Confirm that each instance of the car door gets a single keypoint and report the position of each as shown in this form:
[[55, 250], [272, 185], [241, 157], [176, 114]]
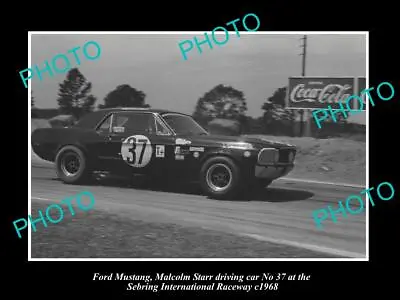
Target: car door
[[135, 141], [164, 141], [131, 141], [107, 148]]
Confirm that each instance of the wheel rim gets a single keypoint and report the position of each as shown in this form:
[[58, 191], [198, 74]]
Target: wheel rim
[[219, 177], [70, 164]]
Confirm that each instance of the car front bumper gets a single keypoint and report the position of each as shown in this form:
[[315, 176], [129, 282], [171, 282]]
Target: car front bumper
[[272, 172]]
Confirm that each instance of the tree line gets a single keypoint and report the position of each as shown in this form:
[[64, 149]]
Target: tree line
[[222, 106]]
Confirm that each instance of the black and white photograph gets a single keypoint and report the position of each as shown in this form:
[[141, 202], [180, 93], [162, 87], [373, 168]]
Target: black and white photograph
[[188, 145]]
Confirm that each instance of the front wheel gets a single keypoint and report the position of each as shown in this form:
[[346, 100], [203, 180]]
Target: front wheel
[[220, 178], [71, 165], [258, 185], [261, 183]]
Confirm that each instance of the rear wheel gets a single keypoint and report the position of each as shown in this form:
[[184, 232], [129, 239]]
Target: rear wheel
[[220, 178], [72, 166]]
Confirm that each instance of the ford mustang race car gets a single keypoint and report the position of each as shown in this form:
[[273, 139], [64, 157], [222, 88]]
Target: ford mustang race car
[[163, 144]]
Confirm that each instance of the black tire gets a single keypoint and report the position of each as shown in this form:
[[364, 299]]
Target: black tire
[[261, 183], [72, 165], [257, 185], [222, 167]]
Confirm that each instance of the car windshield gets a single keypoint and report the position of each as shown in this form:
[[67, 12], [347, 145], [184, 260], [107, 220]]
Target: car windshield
[[182, 124]]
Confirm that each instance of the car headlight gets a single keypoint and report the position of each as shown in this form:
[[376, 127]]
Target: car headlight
[[240, 145], [268, 156]]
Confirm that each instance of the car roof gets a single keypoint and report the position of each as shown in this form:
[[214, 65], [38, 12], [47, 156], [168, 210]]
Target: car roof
[[153, 110], [90, 120]]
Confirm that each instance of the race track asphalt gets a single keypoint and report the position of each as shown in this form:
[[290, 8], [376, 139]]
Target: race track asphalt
[[282, 213]]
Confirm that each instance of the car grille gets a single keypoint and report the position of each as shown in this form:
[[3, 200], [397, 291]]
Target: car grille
[[284, 155], [267, 156]]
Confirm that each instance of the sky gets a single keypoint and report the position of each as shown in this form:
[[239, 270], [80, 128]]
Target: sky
[[256, 64]]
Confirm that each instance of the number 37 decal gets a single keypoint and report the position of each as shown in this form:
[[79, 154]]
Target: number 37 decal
[[136, 151]]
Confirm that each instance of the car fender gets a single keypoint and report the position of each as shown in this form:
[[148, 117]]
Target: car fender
[[79, 145], [47, 142], [233, 154], [78, 140]]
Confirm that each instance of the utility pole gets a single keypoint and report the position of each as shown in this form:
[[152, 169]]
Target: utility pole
[[303, 73]]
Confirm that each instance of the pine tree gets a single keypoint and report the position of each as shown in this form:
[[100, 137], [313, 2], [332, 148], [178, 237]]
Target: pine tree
[[74, 95]]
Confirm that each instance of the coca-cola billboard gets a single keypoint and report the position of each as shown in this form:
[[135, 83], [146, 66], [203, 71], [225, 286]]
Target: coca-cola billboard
[[319, 92]]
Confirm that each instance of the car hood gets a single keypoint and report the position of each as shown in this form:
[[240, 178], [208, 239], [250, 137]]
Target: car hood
[[223, 139]]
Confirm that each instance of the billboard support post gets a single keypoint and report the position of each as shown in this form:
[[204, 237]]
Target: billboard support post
[[355, 92], [304, 118]]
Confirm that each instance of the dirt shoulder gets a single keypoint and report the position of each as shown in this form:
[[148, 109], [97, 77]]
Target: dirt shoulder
[[336, 160]]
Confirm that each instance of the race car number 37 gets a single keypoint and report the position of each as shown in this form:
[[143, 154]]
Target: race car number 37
[[136, 151]]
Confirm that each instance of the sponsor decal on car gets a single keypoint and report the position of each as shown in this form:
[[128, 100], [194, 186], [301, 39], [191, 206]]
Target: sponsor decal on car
[[196, 154], [197, 149], [136, 151], [179, 157], [160, 151], [181, 151], [180, 141]]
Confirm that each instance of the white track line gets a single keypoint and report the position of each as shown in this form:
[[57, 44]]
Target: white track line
[[43, 199], [283, 242], [306, 246], [322, 182]]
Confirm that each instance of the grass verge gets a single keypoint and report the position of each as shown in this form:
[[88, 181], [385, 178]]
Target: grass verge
[[99, 234]]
